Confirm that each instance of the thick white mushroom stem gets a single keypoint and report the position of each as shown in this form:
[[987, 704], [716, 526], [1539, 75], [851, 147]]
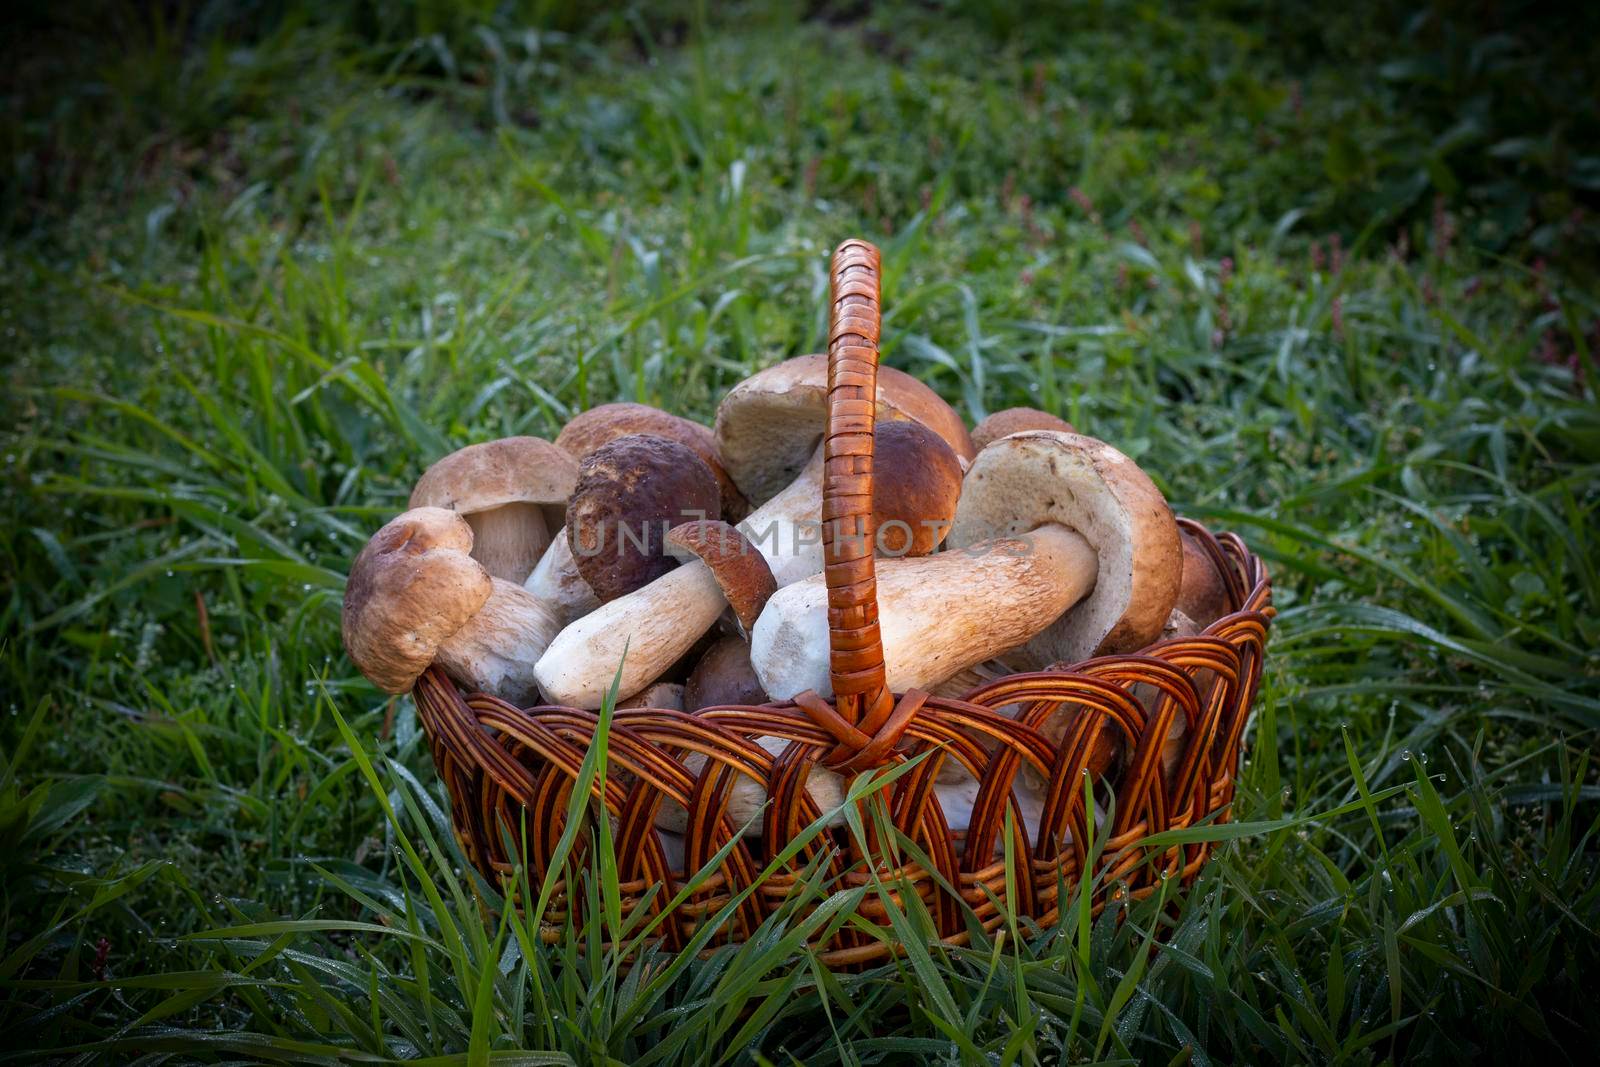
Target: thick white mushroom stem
[[656, 625], [665, 618], [787, 530], [556, 581], [495, 651], [660, 622], [938, 615], [508, 540]]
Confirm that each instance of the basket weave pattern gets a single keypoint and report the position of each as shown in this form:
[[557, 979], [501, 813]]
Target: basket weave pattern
[[509, 767]]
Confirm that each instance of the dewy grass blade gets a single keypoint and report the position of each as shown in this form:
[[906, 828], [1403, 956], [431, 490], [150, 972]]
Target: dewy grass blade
[[591, 771]]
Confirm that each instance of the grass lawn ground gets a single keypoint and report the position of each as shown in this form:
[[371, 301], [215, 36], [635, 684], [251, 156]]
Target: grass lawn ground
[[1330, 275]]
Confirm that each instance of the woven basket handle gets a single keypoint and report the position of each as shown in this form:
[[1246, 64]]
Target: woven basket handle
[[860, 690]]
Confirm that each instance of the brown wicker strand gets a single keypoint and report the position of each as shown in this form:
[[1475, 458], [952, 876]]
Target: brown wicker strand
[[861, 693]]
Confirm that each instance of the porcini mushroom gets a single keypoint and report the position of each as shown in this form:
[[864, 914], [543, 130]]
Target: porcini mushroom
[[630, 492], [1203, 595], [1061, 549], [746, 797], [914, 498], [723, 676], [769, 438], [555, 581], [769, 425], [649, 629], [511, 491], [1015, 420], [416, 597], [600, 425]]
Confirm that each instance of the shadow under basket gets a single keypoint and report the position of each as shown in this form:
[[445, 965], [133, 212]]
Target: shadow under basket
[[1161, 730]]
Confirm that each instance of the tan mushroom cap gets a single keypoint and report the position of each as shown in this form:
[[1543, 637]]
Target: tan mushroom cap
[[411, 588], [769, 425], [1039, 477], [1015, 420], [630, 491], [590, 429], [741, 571], [511, 491], [512, 470]]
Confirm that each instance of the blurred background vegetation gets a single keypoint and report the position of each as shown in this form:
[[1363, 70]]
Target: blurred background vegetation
[[1329, 273], [1490, 106]]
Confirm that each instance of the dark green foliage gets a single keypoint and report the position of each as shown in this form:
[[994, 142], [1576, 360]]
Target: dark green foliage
[[1322, 274]]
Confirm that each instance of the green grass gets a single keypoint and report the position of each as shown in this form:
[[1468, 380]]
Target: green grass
[[1330, 280]]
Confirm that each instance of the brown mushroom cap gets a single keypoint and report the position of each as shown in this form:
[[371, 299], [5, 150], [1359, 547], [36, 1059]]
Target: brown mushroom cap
[[410, 589], [630, 491], [915, 487], [769, 425], [589, 430], [1203, 596], [1040, 477], [723, 676], [1015, 420], [512, 470], [741, 571]]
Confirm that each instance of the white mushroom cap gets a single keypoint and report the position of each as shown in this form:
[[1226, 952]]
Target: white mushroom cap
[[1040, 477]]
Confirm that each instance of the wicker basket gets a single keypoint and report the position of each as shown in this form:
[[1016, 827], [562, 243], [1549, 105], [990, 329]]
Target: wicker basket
[[500, 762]]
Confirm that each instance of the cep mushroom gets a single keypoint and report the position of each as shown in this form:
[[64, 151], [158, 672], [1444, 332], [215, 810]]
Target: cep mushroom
[[723, 676], [1203, 596], [770, 428], [746, 797], [648, 630], [769, 432], [604, 424], [510, 491], [1061, 549], [417, 597], [914, 498], [555, 581], [630, 492], [1014, 420]]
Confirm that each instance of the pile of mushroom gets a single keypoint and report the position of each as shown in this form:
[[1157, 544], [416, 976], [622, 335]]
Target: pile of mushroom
[[684, 563]]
